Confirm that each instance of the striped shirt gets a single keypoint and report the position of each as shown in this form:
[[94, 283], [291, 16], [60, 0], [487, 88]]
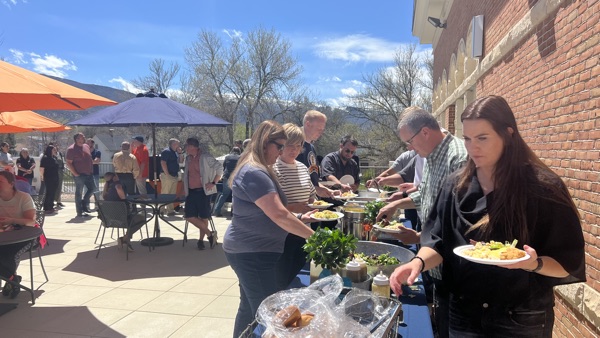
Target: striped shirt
[[295, 181]]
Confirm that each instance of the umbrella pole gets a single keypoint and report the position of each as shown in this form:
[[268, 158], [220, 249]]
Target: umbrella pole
[[155, 173]]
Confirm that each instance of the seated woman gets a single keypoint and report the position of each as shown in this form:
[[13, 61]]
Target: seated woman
[[113, 191], [16, 207]]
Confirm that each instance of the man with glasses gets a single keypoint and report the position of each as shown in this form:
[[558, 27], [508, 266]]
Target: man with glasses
[[444, 154], [341, 163], [79, 162]]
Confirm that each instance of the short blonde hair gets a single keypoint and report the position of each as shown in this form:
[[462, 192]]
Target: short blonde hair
[[313, 115], [294, 134]]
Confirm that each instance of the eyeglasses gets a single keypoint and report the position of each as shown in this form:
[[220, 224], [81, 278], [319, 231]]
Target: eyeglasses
[[348, 151], [279, 145], [409, 141]]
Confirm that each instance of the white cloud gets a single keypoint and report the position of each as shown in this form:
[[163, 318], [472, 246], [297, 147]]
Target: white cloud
[[47, 64], [10, 3], [233, 34], [357, 48], [126, 85], [349, 91]]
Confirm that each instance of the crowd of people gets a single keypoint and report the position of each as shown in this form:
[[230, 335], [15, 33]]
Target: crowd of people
[[487, 186]]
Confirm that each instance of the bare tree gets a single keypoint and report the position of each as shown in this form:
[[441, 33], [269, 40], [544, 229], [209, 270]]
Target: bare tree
[[245, 79], [160, 78], [386, 94]]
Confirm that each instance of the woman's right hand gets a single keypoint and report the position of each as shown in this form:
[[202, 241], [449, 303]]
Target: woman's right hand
[[405, 274]]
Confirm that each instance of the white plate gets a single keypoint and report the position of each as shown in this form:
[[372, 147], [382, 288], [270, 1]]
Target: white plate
[[390, 231], [459, 252], [327, 183], [345, 197], [347, 179], [339, 215], [324, 206]]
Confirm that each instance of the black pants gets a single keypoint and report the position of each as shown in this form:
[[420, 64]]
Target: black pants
[[128, 182], [10, 257], [51, 186]]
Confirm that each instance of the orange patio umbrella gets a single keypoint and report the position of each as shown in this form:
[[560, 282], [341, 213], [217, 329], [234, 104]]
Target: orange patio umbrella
[[27, 121], [22, 89]]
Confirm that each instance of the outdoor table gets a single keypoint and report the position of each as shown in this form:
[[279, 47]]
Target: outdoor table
[[24, 234], [156, 202]]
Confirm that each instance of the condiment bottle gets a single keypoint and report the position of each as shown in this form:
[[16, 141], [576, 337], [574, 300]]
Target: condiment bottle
[[363, 268], [381, 285], [353, 272]]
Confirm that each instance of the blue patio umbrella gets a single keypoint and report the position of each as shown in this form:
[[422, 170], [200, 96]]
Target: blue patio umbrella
[[150, 109]]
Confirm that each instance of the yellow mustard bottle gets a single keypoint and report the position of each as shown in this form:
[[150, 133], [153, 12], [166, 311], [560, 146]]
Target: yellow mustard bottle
[[381, 285]]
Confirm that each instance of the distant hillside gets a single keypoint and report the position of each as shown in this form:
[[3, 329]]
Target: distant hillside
[[104, 91]]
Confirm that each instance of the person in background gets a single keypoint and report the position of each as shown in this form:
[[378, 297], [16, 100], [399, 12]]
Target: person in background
[[202, 172], [96, 157], [504, 193], [239, 144], [126, 166], [256, 236], [245, 144], [6, 159], [340, 163], [16, 208], [113, 191], [299, 191], [60, 160], [49, 174], [25, 165], [140, 151], [79, 162], [169, 161], [229, 164], [400, 163]]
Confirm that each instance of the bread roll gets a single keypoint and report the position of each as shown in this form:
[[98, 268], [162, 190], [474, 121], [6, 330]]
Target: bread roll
[[305, 319], [289, 315]]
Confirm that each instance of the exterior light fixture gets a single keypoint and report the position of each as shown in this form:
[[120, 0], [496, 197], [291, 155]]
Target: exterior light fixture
[[435, 22]]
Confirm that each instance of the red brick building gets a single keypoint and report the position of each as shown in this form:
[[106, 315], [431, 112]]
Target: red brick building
[[543, 56]]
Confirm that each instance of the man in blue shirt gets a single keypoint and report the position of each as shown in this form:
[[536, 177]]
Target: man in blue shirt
[[169, 161]]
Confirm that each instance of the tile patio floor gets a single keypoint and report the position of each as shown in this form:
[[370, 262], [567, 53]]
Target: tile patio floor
[[173, 291]]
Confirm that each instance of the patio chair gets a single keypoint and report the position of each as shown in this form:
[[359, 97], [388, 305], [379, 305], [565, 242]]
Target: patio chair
[[40, 216], [116, 215]]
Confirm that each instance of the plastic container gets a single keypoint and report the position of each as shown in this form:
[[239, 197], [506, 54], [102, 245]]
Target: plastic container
[[381, 285], [363, 268], [353, 272]]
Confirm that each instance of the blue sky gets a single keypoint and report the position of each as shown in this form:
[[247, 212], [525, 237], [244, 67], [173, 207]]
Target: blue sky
[[112, 42]]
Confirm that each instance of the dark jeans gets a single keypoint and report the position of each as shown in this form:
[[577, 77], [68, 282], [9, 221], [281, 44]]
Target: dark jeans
[[10, 256], [82, 181], [128, 182], [292, 260], [256, 273], [478, 320], [225, 194], [51, 186]]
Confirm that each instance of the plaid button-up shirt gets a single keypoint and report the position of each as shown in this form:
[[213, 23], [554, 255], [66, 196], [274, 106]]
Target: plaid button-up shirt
[[448, 156]]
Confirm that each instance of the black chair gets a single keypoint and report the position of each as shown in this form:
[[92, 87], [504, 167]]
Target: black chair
[[117, 215], [40, 216]]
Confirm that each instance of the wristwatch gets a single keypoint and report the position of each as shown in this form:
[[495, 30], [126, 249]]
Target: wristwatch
[[404, 194]]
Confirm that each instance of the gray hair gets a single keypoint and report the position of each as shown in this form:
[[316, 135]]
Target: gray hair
[[416, 118]]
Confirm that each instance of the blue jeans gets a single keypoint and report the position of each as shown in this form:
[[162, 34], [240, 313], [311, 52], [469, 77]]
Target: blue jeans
[[256, 272], [477, 320], [81, 181], [225, 194]]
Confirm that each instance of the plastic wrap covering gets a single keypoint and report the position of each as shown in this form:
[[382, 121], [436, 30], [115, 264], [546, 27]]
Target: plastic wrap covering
[[326, 309]]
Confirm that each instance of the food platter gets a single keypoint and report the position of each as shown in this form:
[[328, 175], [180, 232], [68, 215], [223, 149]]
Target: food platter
[[320, 206], [459, 251], [338, 214], [347, 197], [389, 230]]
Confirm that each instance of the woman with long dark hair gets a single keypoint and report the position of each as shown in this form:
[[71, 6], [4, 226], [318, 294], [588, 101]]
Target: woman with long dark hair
[[49, 174], [505, 192]]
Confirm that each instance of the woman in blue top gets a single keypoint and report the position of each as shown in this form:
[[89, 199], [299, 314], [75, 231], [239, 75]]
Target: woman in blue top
[[256, 236]]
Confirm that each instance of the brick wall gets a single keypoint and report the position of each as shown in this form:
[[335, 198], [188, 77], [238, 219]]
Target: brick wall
[[551, 79], [450, 118]]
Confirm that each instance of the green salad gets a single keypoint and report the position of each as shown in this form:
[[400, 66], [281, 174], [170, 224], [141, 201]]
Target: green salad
[[377, 260]]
